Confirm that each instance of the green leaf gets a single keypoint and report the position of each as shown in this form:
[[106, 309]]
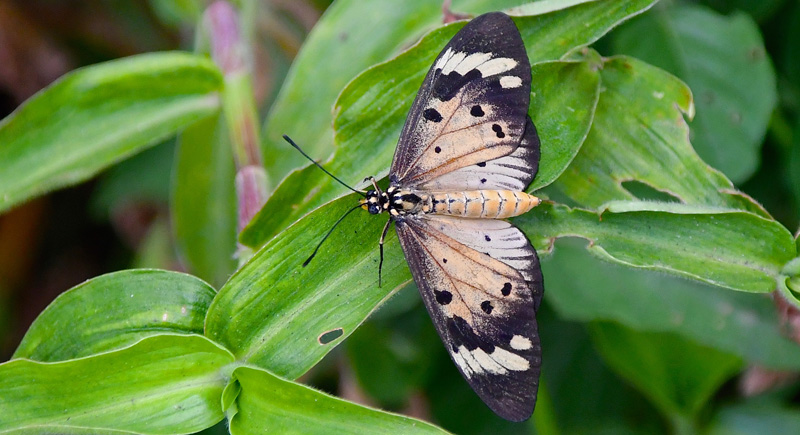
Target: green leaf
[[115, 310], [393, 357], [678, 375], [268, 404], [162, 384], [123, 184], [639, 134], [563, 100], [273, 310], [177, 12], [99, 115], [372, 108], [737, 323], [728, 248], [204, 200], [724, 61], [755, 419], [759, 10], [156, 250], [578, 378]]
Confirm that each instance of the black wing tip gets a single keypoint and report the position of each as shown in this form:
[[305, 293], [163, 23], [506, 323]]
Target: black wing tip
[[512, 408], [493, 16], [494, 20], [516, 415]]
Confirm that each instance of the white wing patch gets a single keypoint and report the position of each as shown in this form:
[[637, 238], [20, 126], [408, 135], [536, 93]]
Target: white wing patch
[[519, 342], [477, 361], [496, 66], [462, 63], [510, 82]]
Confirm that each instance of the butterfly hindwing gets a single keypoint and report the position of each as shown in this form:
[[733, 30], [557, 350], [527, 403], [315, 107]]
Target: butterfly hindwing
[[500, 240], [479, 294], [472, 105]]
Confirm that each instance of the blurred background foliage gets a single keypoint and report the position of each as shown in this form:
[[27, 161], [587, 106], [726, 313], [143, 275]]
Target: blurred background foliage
[[600, 375]]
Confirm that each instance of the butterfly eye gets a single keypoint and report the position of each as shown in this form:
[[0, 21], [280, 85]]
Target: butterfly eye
[[374, 209]]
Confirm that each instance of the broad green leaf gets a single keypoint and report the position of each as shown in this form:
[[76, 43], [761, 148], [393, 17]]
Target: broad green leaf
[[724, 61], [272, 311], [678, 375], [728, 248], [582, 288], [755, 419], [268, 404], [372, 108], [639, 134], [99, 115], [204, 200], [115, 310], [563, 100], [161, 385]]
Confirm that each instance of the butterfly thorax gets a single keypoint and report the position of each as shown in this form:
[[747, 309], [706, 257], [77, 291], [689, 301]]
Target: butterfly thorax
[[484, 204]]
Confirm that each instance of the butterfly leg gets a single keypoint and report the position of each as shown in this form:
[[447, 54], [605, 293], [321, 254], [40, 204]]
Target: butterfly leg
[[380, 243]]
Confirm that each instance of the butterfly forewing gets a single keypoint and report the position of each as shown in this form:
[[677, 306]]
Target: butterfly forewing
[[482, 307], [512, 172], [472, 105]]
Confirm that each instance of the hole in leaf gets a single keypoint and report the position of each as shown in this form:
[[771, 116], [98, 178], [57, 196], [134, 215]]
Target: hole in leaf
[[645, 192], [329, 336]]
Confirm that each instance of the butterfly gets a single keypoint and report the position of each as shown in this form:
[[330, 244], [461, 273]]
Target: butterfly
[[466, 152]]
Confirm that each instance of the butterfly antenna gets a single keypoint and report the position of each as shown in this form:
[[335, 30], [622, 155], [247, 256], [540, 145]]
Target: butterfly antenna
[[305, 263], [297, 147]]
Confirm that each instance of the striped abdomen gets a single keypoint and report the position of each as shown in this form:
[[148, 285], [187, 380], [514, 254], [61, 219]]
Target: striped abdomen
[[488, 204]]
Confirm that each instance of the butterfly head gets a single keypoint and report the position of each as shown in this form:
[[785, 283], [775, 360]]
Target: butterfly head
[[376, 200], [372, 202]]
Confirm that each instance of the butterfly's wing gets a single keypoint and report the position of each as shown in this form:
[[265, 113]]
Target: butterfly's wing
[[472, 106], [480, 279], [512, 172]]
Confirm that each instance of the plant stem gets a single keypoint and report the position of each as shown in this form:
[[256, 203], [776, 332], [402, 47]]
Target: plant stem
[[234, 57]]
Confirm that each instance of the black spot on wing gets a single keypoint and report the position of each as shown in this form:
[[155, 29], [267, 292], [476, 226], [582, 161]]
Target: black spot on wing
[[476, 111], [506, 290], [482, 164], [447, 85], [498, 131], [437, 150], [432, 115], [487, 307], [443, 297]]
